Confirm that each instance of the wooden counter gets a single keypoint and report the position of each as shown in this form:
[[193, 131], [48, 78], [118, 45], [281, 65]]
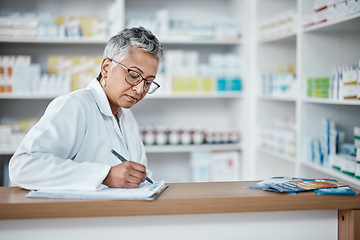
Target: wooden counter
[[179, 198], [224, 203]]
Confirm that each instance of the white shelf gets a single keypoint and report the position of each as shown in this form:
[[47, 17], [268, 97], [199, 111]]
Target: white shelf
[[28, 96], [191, 148], [280, 38], [345, 24], [225, 110], [277, 98], [201, 42], [277, 155], [332, 172], [170, 96], [172, 148], [315, 50], [331, 101], [195, 96], [104, 41], [54, 41]]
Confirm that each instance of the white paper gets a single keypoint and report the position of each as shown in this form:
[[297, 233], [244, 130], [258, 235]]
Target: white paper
[[146, 191]]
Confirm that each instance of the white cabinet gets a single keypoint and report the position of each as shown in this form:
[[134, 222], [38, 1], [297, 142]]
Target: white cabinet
[[206, 110], [317, 44], [188, 22], [283, 44]]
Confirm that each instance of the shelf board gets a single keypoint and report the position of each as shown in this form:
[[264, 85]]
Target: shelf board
[[345, 24], [277, 98], [55, 41], [195, 96], [332, 172], [192, 148], [104, 41], [277, 155], [28, 96], [331, 101], [170, 96], [281, 38], [172, 148], [200, 42]]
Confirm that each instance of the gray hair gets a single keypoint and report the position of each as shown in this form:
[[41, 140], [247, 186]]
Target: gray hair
[[120, 45]]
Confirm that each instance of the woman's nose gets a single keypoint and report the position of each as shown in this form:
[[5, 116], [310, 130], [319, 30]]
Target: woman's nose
[[139, 89]]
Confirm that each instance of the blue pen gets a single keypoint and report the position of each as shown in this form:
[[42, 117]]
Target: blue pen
[[121, 158]]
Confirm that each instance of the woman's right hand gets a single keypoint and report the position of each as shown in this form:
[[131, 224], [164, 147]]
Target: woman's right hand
[[126, 175]]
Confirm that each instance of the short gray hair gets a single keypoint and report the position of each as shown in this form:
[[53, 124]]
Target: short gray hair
[[120, 45]]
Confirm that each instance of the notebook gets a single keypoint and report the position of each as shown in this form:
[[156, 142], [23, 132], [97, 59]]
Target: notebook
[[146, 191]]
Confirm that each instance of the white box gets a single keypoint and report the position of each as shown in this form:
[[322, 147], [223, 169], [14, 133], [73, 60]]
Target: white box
[[225, 166]]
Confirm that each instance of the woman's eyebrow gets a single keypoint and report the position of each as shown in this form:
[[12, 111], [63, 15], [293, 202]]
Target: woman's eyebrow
[[139, 69]]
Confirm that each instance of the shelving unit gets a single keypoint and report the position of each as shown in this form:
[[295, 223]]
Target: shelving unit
[[276, 155], [222, 110], [277, 98], [316, 50], [193, 148]]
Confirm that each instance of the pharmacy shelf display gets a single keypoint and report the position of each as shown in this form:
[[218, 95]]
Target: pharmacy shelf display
[[176, 105], [322, 45], [276, 99]]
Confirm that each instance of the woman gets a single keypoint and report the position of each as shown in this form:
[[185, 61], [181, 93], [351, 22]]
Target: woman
[[70, 147]]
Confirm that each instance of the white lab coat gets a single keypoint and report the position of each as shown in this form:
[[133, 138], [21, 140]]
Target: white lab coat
[[70, 147]]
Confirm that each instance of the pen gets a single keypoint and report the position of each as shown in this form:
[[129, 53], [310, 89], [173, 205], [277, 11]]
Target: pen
[[121, 158]]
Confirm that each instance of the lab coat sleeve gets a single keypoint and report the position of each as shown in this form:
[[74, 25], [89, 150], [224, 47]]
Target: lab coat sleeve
[[44, 158]]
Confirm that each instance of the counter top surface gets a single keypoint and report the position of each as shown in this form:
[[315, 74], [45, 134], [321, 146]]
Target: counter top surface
[[178, 198]]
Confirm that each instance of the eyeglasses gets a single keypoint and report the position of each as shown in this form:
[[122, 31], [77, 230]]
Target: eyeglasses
[[134, 78]]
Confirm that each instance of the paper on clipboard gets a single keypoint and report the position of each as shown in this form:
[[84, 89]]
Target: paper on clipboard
[[146, 191]]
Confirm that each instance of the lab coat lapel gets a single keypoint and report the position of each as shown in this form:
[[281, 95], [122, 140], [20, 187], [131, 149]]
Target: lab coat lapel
[[104, 107]]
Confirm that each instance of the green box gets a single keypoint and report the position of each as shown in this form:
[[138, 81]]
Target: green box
[[208, 84], [178, 84]]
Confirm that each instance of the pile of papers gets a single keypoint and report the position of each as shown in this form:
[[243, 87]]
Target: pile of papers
[[146, 191], [295, 185]]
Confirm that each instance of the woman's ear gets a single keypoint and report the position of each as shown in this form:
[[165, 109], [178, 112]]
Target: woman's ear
[[105, 67]]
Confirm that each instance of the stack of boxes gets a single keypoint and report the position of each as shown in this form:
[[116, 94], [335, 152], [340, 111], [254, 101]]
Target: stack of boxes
[[167, 27], [343, 84], [80, 27], [281, 83], [79, 69], [331, 150], [318, 87], [19, 26], [13, 131], [321, 11], [357, 149], [19, 76], [348, 79], [187, 75], [32, 26], [281, 24], [279, 138], [215, 166]]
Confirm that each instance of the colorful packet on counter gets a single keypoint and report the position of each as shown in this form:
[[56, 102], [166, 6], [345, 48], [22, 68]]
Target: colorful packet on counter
[[295, 185], [335, 191]]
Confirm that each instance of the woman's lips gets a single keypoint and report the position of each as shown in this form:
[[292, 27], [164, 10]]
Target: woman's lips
[[132, 99]]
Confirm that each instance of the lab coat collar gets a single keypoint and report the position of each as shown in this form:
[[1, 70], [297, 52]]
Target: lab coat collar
[[100, 97]]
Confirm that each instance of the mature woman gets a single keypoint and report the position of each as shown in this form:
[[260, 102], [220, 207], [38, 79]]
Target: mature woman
[[70, 147]]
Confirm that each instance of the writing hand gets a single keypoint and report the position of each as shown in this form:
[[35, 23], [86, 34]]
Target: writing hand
[[126, 175]]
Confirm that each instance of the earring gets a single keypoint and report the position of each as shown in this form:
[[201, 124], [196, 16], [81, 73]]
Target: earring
[[103, 82]]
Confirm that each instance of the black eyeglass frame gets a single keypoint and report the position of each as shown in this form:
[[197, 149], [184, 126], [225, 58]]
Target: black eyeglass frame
[[142, 78]]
